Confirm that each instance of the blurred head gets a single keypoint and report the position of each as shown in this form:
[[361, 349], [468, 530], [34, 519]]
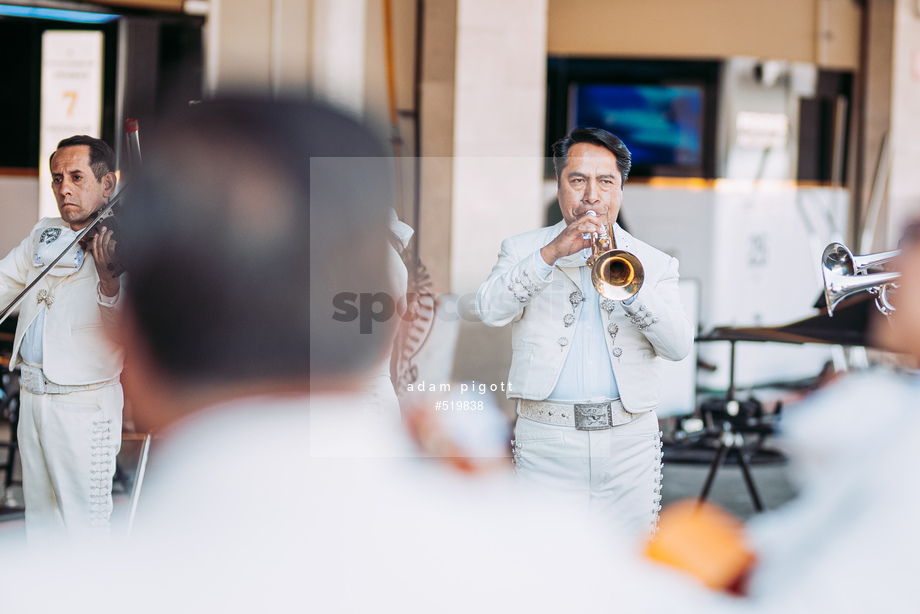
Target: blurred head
[[82, 178], [246, 219], [900, 331], [592, 166]]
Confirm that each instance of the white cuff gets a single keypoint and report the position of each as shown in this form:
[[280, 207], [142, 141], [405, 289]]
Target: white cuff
[[540, 267], [102, 299]]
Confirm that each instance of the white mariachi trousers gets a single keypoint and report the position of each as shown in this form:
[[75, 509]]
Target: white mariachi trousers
[[68, 444], [613, 475]]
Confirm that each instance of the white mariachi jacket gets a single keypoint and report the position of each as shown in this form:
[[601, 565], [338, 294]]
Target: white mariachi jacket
[[76, 348], [544, 314]]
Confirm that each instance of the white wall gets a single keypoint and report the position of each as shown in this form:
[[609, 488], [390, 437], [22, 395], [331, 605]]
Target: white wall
[[18, 209], [778, 96], [755, 249]]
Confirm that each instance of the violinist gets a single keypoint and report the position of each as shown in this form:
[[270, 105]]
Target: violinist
[[71, 398]]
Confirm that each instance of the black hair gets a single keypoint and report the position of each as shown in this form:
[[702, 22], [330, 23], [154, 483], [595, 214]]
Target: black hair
[[101, 156], [594, 136], [245, 222]]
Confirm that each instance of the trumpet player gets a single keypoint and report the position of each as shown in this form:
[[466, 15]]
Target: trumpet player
[[585, 368]]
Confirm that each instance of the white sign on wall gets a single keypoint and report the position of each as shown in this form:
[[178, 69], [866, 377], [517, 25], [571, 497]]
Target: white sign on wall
[[71, 98], [762, 130]]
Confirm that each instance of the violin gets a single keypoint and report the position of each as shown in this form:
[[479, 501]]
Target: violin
[[109, 215], [109, 220]]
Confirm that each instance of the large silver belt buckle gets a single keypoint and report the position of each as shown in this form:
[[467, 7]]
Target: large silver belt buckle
[[593, 416], [32, 379]]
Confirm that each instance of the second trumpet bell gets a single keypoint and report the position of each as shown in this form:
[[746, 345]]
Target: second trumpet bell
[[840, 259]]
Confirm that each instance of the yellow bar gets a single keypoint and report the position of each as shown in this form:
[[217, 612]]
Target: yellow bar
[[163, 5]]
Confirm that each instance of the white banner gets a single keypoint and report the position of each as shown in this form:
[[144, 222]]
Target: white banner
[[71, 98]]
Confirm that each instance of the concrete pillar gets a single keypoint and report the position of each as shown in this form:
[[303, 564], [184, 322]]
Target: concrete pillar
[[499, 131], [904, 181], [483, 93], [875, 121], [338, 52], [482, 122], [290, 47], [436, 131], [239, 48]]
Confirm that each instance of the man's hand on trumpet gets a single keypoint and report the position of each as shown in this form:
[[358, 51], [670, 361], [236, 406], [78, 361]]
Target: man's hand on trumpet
[[572, 239]]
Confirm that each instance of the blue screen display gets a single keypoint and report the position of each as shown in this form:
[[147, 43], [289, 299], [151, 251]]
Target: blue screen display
[[660, 124], [56, 14]]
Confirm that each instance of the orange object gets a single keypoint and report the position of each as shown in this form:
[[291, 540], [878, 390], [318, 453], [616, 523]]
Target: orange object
[[704, 541]]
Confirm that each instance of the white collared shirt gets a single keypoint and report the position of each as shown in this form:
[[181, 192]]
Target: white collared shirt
[[587, 374]]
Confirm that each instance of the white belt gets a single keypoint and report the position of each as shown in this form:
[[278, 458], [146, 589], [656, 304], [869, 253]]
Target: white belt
[[33, 379], [583, 416]]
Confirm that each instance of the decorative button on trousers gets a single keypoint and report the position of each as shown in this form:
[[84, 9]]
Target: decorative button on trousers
[[613, 474], [68, 444]]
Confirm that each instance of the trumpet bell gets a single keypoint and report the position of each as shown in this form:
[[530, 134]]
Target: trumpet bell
[[846, 274], [838, 286], [840, 259], [617, 275]]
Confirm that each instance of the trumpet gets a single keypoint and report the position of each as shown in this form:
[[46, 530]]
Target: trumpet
[[845, 274], [616, 274]]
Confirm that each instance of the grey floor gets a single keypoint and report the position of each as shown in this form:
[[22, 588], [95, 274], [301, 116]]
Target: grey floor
[[682, 481]]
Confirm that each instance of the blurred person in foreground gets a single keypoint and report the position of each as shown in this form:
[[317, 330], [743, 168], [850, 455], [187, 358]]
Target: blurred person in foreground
[[848, 542], [70, 421], [585, 369], [269, 490]]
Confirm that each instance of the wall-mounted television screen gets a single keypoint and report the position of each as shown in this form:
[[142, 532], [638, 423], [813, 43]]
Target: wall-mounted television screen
[[660, 124], [664, 110]]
